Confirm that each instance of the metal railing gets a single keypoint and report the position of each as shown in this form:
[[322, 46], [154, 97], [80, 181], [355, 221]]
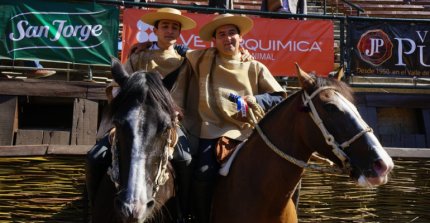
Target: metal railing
[[343, 57], [352, 5]]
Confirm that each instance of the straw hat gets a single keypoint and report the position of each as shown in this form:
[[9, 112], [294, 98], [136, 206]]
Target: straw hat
[[244, 24], [169, 14]]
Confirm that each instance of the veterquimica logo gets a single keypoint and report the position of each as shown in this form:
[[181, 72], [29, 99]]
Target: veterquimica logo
[[61, 30], [375, 47], [146, 32]]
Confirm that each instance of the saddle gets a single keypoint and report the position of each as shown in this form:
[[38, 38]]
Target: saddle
[[225, 148]]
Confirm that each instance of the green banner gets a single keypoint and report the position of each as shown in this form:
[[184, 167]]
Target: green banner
[[75, 32]]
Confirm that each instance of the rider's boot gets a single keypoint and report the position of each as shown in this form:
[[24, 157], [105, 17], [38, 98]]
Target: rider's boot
[[98, 160], [183, 172], [202, 200]]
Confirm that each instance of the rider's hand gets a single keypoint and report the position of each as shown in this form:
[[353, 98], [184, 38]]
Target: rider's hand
[[246, 105], [245, 55], [139, 47], [254, 108]]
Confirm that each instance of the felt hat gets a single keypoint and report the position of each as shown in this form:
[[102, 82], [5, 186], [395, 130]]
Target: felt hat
[[169, 14], [244, 24]]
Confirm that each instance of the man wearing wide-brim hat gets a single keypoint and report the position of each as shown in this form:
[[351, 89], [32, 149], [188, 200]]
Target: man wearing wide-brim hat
[[163, 57], [211, 87]]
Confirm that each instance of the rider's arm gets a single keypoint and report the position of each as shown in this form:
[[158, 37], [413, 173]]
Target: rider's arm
[[181, 49], [268, 100]]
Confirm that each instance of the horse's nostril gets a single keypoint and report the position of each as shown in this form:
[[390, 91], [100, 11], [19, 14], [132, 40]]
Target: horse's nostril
[[150, 204], [380, 167]]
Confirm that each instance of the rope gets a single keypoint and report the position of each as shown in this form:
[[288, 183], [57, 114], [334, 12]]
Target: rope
[[289, 158], [162, 173]]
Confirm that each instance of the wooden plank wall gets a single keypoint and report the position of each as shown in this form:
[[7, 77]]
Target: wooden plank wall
[[85, 112], [396, 118], [84, 128], [8, 120], [42, 136], [426, 119]]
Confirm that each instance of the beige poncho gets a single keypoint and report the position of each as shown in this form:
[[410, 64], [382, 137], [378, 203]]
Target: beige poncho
[[203, 87]]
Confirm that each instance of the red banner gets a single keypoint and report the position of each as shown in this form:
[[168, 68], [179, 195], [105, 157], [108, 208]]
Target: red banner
[[278, 43]]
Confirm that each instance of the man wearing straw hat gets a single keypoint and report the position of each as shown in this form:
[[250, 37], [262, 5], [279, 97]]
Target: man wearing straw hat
[[216, 90], [163, 57]]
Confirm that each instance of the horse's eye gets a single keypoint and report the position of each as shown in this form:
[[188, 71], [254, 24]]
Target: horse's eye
[[331, 108], [116, 123]]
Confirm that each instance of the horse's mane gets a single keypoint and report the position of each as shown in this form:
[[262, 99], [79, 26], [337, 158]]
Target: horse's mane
[[148, 88], [340, 86]]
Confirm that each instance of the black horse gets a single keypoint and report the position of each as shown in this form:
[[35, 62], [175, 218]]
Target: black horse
[[139, 182]]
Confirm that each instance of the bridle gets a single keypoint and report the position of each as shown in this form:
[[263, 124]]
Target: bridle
[[337, 149], [162, 173]]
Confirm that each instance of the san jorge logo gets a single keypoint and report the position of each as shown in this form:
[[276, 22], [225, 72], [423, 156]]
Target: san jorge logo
[[375, 47], [60, 30]]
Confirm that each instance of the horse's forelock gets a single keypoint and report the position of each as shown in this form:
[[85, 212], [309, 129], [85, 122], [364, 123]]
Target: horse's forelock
[[340, 86], [159, 95], [133, 89], [146, 88]]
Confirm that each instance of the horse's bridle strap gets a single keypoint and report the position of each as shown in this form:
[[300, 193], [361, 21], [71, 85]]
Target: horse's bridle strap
[[162, 173], [307, 100], [336, 148], [293, 160]]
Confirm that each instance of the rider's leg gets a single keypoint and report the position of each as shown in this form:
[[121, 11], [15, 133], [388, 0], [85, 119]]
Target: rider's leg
[[98, 160], [183, 167], [205, 174]]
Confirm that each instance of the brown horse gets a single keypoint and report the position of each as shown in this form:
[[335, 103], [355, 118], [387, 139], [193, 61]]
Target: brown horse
[[139, 181], [319, 118]]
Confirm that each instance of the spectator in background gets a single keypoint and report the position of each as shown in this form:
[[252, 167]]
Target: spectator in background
[[40, 72], [286, 6], [224, 4]]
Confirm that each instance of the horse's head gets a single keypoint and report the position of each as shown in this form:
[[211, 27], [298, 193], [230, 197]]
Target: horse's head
[[349, 141], [144, 117]]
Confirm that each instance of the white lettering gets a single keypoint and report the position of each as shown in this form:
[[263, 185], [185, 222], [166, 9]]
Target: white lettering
[[421, 47], [21, 31], [75, 32], [303, 49], [30, 32], [374, 46], [422, 38], [199, 42], [315, 47], [400, 50], [97, 30], [188, 41], [68, 31], [85, 33], [251, 44], [277, 45], [60, 28], [27, 31], [269, 46]]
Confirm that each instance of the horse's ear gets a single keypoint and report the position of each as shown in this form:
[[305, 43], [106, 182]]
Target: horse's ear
[[340, 73], [119, 74], [306, 81]]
